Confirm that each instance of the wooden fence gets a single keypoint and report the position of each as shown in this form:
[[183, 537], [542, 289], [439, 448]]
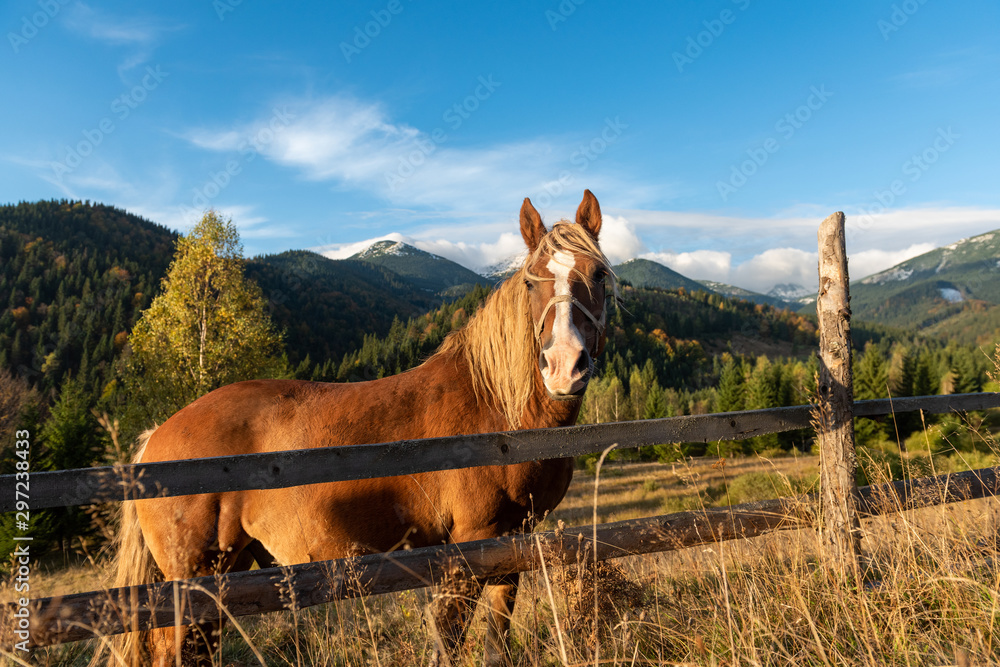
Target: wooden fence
[[275, 470], [83, 615]]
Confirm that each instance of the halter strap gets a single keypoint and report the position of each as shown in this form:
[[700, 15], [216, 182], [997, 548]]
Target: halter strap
[[573, 301]]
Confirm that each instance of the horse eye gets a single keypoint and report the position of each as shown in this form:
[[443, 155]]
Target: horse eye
[[600, 275], [529, 284]]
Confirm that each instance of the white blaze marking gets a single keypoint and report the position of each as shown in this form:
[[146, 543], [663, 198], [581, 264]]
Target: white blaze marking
[[563, 329]]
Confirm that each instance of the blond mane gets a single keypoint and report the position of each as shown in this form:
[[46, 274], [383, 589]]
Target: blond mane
[[499, 341]]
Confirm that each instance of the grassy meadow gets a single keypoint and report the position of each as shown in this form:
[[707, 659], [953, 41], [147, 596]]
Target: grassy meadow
[[930, 594]]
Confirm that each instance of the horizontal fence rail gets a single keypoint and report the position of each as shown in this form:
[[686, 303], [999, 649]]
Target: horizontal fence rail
[[84, 615], [274, 470]]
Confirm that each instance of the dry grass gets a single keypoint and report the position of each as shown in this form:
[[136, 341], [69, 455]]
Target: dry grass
[[633, 490], [930, 594]]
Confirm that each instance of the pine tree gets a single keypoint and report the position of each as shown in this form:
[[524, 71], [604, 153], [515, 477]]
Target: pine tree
[[762, 389], [209, 327], [926, 381], [902, 372], [761, 386], [656, 403], [70, 439], [871, 380], [730, 396], [871, 374], [967, 378]]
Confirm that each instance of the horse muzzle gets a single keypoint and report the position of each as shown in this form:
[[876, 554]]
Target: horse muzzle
[[565, 372]]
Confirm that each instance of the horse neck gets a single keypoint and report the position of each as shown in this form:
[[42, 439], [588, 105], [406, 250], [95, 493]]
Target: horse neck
[[540, 411]]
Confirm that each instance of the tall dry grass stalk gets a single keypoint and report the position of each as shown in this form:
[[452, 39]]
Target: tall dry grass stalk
[[930, 592]]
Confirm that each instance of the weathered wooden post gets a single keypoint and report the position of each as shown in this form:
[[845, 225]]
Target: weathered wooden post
[[835, 412]]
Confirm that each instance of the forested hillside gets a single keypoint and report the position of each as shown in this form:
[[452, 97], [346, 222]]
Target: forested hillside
[[325, 307], [646, 273], [75, 277], [951, 291]]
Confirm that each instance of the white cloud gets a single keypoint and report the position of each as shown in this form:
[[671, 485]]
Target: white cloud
[[477, 256], [699, 264], [760, 271], [867, 262], [757, 253], [764, 270], [778, 265], [619, 240], [355, 144]]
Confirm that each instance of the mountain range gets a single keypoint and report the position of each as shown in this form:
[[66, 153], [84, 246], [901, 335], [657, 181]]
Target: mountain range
[[953, 290], [424, 270]]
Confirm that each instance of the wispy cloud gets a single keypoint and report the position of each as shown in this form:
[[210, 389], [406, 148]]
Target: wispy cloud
[[355, 144], [99, 180], [140, 34]]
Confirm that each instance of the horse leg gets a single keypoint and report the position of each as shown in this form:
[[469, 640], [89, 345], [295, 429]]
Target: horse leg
[[449, 614], [191, 536], [196, 642], [500, 596], [261, 555]]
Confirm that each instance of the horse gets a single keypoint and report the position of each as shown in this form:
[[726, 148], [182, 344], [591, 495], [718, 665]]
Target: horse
[[522, 361]]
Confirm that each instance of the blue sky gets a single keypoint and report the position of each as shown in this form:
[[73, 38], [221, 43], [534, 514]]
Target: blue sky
[[715, 134]]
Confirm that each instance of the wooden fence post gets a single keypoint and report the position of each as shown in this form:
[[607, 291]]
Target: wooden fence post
[[835, 412]]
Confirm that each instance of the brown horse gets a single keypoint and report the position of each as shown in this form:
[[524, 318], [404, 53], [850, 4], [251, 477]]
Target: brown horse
[[522, 361]]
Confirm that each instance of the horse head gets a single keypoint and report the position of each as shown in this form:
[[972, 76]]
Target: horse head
[[566, 277]]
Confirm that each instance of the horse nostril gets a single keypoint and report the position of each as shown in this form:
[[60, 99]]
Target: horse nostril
[[543, 363], [582, 363]]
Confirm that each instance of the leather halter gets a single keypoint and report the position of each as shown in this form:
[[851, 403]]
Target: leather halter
[[600, 324]]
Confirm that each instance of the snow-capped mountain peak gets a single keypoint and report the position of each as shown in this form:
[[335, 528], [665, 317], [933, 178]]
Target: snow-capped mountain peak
[[504, 267], [394, 248], [790, 291]]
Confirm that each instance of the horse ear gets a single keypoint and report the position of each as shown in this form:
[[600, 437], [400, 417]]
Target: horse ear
[[532, 229], [588, 215]]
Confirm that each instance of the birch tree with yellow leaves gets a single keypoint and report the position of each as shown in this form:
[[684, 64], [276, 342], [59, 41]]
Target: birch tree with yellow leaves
[[208, 327]]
